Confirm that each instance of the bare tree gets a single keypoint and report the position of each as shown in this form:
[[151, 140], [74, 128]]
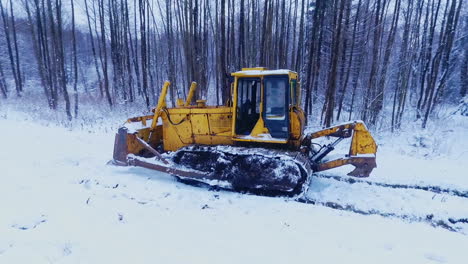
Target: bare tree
[[329, 105], [354, 57], [75, 60], [3, 86], [13, 57]]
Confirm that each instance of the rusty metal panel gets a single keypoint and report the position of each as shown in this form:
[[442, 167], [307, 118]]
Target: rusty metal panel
[[168, 169], [120, 146]]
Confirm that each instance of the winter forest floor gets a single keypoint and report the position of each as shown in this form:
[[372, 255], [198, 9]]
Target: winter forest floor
[[61, 203]]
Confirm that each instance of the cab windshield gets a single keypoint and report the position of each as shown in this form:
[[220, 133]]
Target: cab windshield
[[275, 98]]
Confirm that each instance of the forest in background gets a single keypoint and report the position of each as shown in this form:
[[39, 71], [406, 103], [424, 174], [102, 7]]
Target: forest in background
[[375, 60]]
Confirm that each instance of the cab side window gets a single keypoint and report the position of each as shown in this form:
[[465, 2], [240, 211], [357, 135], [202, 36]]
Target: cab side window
[[293, 89]]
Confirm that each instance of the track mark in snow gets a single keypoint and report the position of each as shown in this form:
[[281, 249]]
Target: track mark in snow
[[411, 218], [429, 188], [32, 225], [436, 206], [456, 221], [367, 198]]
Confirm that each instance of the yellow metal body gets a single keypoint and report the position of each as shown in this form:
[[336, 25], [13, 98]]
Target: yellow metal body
[[188, 124], [193, 86], [152, 136], [362, 142], [161, 104], [184, 126], [361, 151]]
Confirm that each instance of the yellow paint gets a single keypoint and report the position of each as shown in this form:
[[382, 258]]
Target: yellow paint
[[234, 105], [193, 87], [161, 104], [201, 103], [261, 140], [198, 123], [142, 119], [180, 102], [366, 163], [134, 147], [206, 126], [297, 121], [259, 128], [333, 164], [255, 69], [362, 142]]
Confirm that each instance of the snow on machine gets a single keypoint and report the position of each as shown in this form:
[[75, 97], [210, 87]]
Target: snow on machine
[[255, 143]]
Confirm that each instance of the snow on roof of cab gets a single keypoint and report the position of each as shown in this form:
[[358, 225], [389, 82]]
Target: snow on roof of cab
[[260, 72]]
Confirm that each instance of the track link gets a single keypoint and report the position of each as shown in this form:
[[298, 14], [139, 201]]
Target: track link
[[254, 170]]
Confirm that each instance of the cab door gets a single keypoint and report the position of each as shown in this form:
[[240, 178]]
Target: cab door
[[276, 105], [248, 105]]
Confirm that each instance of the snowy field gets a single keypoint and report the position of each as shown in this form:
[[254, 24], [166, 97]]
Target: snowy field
[[61, 203]]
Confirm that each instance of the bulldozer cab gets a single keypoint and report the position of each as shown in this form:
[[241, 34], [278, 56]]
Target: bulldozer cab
[[262, 102]]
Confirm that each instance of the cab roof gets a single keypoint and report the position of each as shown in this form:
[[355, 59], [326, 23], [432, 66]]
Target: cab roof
[[261, 71]]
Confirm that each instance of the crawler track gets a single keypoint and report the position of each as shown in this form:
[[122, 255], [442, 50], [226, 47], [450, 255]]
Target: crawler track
[[254, 170]]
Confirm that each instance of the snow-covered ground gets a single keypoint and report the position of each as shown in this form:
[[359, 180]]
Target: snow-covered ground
[[61, 203]]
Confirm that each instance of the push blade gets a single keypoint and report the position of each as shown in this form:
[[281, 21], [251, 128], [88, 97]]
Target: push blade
[[363, 167]]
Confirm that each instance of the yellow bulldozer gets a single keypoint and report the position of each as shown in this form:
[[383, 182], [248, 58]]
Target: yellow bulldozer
[[255, 143]]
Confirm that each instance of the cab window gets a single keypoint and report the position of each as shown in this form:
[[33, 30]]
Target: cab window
[[293, 92], [275, 98]]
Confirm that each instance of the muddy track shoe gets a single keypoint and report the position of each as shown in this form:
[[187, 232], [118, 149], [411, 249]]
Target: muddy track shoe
[[272, 172]]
